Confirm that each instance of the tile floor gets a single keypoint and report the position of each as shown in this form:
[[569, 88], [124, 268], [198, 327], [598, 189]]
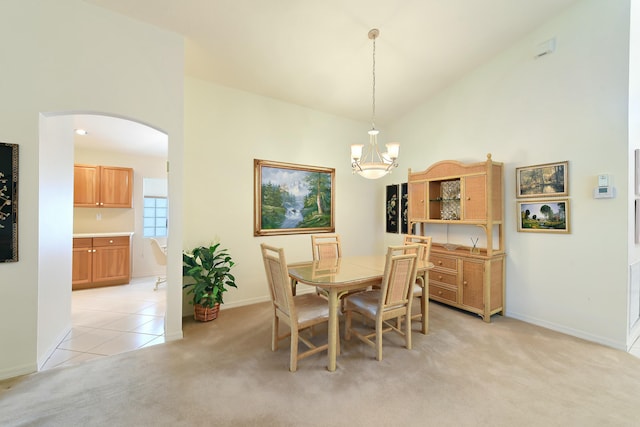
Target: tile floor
[[112, 320]]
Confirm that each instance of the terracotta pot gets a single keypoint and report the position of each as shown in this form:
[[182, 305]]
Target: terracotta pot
[[205, 314]]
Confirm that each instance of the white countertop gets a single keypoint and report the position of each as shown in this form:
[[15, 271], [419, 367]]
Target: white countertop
[[112, 234]]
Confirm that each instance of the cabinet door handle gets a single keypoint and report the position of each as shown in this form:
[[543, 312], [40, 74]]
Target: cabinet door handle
[[439, 292], [97, 204], [439, 277], [464, 283], [469, 198], [101, 204], [110, 241], [89, 251], [439, 262], [93, 250]]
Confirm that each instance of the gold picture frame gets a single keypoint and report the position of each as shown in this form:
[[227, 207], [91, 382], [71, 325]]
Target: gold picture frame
[[545, 180], [292, 199], [637, 221], [544, 216]]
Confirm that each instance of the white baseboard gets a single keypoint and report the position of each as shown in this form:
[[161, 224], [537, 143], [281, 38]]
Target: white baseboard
[[569, 331], [300, 291], [53, 348], [242, 303], [173, 336], [16, 371], [634, 335]]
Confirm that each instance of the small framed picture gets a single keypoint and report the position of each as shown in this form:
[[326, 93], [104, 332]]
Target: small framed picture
[[547, 180], [404, 206], [637, 218], [8, 202], [393, 208], [545, 216], [637, 171]]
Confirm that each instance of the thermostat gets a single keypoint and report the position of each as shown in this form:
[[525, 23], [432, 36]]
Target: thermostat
[[604, 190], [603, 180]]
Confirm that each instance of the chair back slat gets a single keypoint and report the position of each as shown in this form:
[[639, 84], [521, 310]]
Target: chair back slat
[[275, 266], [423, 241], [397, 289], [399, 276], [326, 246]]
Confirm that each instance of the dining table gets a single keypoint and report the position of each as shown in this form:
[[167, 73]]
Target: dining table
[[339, 276]]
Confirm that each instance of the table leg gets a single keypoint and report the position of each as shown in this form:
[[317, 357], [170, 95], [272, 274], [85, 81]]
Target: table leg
[[333, 328], [424, 301]]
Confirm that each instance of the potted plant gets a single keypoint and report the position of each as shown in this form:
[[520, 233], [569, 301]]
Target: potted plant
[[209, 269]]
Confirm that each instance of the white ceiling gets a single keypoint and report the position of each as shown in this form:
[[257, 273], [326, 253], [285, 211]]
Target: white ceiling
[[115, 134], [317, 53]]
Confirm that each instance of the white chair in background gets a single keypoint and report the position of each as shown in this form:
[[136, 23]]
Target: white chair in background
[[160, 254]]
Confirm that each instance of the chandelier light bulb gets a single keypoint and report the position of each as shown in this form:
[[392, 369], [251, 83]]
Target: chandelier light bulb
[[356, 151]]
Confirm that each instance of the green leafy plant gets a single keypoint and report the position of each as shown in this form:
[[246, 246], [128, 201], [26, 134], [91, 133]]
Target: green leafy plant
[[210, 271]]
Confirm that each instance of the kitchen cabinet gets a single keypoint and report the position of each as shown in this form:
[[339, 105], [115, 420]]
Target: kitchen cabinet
[[102, 186], [101, 261], [453, 193]]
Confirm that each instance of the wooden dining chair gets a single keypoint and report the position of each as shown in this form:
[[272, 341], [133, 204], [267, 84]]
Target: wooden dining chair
[[299, 312], [392, 301], [421, 287], [326, 246]]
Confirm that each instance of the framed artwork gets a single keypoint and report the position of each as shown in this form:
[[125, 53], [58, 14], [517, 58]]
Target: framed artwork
[[404, 210], [637, 221], [393, 208], [547, 180], [8, 202], [292, 199], [637, 171], [547, 216]]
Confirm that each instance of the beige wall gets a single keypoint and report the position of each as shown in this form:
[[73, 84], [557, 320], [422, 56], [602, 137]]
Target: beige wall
[[225, 129], [634, 144], [61, 57], [570, 105]]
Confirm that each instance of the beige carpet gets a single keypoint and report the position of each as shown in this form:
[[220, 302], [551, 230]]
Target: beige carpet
[[463, 373]]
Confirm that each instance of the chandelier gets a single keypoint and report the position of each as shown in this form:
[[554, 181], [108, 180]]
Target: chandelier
[[369, 162]]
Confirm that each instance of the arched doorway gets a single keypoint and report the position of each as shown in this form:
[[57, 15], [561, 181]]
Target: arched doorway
[[56, 227]]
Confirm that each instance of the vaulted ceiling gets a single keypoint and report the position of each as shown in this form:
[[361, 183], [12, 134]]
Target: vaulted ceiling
[[317, 53]]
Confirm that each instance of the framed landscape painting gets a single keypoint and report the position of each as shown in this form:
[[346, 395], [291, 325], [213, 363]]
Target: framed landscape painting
[[292, 199], [637, 171], [8, 202], [547, 216], [547, 180]]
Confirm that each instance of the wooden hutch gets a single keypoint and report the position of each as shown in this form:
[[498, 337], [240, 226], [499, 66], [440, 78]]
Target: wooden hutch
[[454, 193]]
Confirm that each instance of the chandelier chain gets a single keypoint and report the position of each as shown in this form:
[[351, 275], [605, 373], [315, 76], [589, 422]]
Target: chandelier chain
[[369, 162], [373, 96]]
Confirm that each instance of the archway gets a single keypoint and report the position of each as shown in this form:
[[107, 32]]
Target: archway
[[55, 172]]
